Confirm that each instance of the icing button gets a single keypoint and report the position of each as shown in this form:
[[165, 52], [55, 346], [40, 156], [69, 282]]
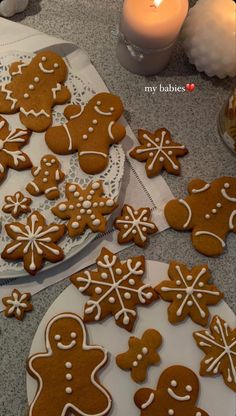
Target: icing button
[[135, 364], [139, 357], [31, 87], [26, 95], [85, 136], [36, 79], [68, 390], [68, 364], [171, 412], [90, 129], [95, 122], [69, 377]]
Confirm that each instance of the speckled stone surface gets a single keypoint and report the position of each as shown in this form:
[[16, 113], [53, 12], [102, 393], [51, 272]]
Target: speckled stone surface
[[191, 117]]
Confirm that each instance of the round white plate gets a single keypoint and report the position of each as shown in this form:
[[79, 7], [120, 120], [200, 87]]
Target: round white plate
[[178, 347]]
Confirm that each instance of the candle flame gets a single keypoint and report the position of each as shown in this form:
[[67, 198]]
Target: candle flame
[[156, 3]]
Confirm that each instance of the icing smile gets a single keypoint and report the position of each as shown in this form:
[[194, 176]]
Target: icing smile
[[45, 70], [176, 397], [62, 346]]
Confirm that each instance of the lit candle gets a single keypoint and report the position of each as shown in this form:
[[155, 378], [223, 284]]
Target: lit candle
[[149, 29]]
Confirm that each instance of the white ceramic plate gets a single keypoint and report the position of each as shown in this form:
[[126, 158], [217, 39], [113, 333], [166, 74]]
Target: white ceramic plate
[[178, 347]]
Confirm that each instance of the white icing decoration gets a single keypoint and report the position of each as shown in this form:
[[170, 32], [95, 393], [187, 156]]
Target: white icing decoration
[[148, 402], [53, 188], [62, 346], [159, 149], [115, 287], [102, 113], [19, 70], [69, 377], [34, 113], [224, 347], [189, 388], [92, 152], [212, 235], [69, 136], [189, 212], [176, 397], [231, 225], [204, 188], [17, 303], [55, 90], [14, 202], [190, 292], [226, 196], [9, 96], [69, 406], [111, 124], [45, 70], [173, 383], [68, 390], [136, 223], [145, 350], [171, 412], [14, 137]]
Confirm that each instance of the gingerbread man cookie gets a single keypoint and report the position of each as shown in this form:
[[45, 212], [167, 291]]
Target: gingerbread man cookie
[[134, 225], [141, 354], [34, 89], [17, 204], [47, 178], [17, 304], [34, 242], [68, 372], [159, 152], [90, 132], [189, 292], [219, 346], [115, 288], [209, 211], [11, 142], [176, 395]]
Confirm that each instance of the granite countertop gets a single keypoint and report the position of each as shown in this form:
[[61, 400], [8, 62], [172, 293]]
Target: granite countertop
[[191, 117]]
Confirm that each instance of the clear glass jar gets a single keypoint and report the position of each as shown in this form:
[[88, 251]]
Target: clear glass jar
[[227, 122]]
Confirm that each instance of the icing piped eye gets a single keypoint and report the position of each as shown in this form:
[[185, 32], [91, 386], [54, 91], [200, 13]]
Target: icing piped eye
[[57, 337], [73, 335], [99, 103], [188, 388], [56, 65], [44, 59], [173, 383], [112, 109]]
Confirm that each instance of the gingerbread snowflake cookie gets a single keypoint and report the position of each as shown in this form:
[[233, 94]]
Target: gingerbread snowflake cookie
[[134, 225], [219, 346], [17, 304], [176, 394], [189, 292], [159, 152], [34, 242], [209, 211], [115, 288], [85, 208], [68, 371], [141, 354], [35, 88], [47, 178], [90, 131], [17, 204], [11, 142]]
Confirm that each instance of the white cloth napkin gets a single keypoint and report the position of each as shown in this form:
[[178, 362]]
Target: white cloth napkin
[[136, 190]]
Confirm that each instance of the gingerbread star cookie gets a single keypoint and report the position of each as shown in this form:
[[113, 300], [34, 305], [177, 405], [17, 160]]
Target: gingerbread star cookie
[[11, 155], [68, 371], [140, 355], [17, 304], [85, 208], [134, 225], [35, 88], [17, 204], [219, 346], [209, 211], [176, 394], [34, 242], [115, 288], [189, 292], [159, 152], [47, 177]]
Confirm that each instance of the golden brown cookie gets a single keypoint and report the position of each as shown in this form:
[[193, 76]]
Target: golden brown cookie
[[17, 204], [90, 131], [11, 142], [159, 152], [140, 355], [209, 211], [176, 394], [17, 304], [68, 372], [115, 288], [85, 208], [34, 242], [34, 89], [134, 225], [189, 292], [219, 346], [47, 178]]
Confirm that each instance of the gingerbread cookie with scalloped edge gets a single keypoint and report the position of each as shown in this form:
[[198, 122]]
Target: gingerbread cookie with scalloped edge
[[209, 211], [90, 131], [35, 88]]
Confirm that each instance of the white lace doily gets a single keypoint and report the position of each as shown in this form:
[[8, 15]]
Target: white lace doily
[[81, 92]]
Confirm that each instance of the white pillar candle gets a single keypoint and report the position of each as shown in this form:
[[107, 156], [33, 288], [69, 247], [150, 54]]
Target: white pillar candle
[[149, 29]]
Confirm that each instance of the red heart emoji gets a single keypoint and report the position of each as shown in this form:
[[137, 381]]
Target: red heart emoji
[[190, 87]]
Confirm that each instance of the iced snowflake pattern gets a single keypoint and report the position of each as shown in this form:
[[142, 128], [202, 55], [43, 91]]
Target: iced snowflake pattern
[[115, 287], [219, 345], [17, 304]]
